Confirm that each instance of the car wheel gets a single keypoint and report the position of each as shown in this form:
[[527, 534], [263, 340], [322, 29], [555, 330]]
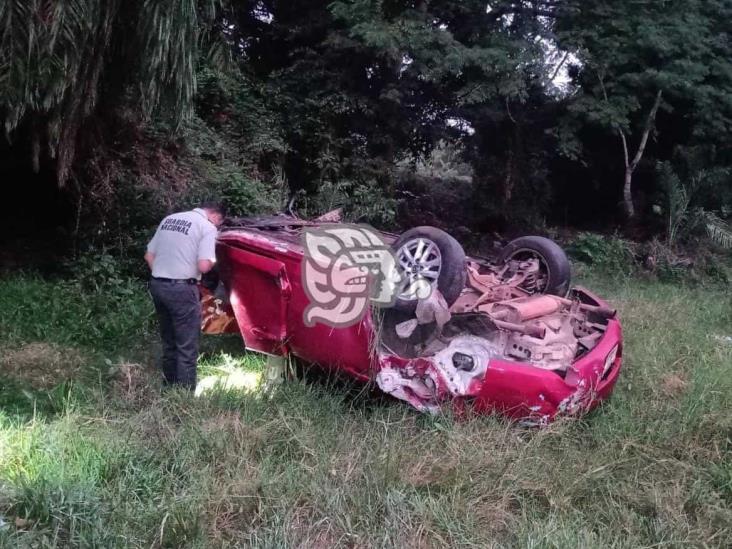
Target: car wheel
[[553, 262], [432, 255]]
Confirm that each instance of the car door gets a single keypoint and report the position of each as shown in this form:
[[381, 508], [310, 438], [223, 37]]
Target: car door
[[259, 293]]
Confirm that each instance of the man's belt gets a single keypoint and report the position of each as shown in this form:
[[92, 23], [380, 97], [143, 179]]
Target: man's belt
[[176, 280]]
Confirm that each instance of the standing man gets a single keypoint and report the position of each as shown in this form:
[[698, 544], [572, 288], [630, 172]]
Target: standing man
[[184, 247]]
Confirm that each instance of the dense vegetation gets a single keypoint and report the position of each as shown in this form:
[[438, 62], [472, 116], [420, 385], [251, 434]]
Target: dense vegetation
[[470, 114]]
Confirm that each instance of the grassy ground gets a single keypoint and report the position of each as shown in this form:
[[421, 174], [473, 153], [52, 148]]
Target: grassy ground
[[93, 454]]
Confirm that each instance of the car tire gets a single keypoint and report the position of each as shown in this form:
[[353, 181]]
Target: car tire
[[452, 272], [552, 256]]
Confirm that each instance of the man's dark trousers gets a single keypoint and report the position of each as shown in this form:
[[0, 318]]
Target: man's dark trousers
[[179, 313]]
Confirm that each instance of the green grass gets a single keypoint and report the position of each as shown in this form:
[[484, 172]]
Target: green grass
[[110, 318], [108, 460]]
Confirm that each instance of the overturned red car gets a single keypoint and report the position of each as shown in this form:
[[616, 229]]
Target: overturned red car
[[506, 335]]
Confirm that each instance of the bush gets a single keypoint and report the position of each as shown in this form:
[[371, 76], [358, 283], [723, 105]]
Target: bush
[[362, 202], [245, 195], [698, 261], [104, 272], [612, 255], [97, 311]]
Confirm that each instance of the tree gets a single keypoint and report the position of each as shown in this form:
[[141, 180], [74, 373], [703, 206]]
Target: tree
[[636, 58], [362, 84]]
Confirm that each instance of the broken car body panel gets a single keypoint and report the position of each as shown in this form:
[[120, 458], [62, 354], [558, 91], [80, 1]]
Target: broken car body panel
[[531, 357]]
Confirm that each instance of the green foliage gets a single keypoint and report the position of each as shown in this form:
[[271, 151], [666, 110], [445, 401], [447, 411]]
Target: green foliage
[[634, 58], [328, 99], [719, 231], [678, 199], [99, 310], [96, 273], [244, 196], [686, 183], [607, 254], [240, 122], [446, 161], [361, 202], [237, 144], [55, 59], [630, 51]]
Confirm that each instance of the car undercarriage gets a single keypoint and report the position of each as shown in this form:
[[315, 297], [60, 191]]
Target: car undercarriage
[[501, 313]]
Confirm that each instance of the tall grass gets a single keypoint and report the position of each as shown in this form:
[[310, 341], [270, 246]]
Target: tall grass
[[104, 318], [116, 463]]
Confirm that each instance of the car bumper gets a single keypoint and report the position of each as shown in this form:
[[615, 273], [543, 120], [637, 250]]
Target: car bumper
[[524, 392]]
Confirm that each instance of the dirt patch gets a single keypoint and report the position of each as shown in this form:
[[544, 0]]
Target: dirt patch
[[497, 513], [133, 382], [229, 422], [154, 426], [41, 365], [308, 531], [235, 504], [423, 474], [674, 384]]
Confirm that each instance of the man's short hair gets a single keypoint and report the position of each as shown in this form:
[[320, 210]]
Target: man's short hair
[[216, 207]]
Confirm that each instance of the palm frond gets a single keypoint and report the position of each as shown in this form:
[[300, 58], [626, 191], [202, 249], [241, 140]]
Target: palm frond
[[720, 233], [678, 199], [54, 55]]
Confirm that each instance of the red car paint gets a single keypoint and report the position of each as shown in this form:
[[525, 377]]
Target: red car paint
[[262, 274]]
